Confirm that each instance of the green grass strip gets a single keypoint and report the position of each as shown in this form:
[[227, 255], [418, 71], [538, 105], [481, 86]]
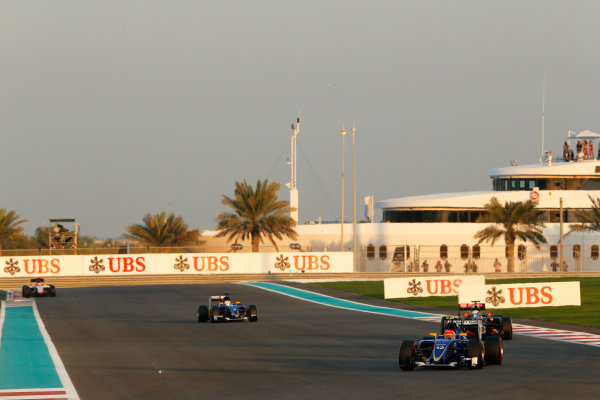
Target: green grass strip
[[584, 315]]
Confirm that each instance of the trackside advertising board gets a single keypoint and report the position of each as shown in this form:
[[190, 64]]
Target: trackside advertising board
[[173, 263], [547, 294], [425, 286]]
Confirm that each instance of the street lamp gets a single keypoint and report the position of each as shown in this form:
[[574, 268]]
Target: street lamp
[[292, 183], [342, 225], [354, 195]]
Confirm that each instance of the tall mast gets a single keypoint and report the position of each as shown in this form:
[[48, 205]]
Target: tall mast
[[342, 220], [543, 107], [292, 183]]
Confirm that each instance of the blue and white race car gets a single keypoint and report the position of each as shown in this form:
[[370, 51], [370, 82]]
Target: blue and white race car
[[451, 349], [221, 308]]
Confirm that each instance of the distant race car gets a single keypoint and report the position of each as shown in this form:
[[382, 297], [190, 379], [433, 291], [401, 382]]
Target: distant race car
[[451, 349], [221, 308], [38, 288], [493, 325]]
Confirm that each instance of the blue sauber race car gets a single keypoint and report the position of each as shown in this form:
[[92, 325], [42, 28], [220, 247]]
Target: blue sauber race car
[[221, 308], [451, 349]]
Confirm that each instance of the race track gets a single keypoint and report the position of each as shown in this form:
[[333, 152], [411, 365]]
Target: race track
[[144, 343]]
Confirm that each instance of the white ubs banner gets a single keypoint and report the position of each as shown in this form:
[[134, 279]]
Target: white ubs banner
[[425, 286], [544, 294], [185, 263]]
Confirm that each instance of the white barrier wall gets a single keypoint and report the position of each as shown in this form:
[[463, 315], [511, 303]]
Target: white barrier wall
[[545, 294], [425, 286], [186, 263]]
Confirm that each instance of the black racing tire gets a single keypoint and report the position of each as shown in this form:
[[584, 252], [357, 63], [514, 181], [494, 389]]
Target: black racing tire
[[407, 355], [202, 313], [26, 291], [252, 313], [494, 350], [52, 291], [506, 325], [475, 350], [215, 315]]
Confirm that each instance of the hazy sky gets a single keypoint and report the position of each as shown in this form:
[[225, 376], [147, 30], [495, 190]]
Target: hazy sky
[[112, 109]]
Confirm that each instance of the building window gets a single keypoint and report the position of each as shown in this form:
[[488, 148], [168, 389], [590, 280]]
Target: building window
[[399, 254], [576, 251], [370, 252], [382, 252], [521, 252], [554, 252], [595, 252], [444, 252], [476, 252], [464, 251]]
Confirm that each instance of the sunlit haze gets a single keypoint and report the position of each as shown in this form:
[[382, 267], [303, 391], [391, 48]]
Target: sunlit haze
[[113, 109]]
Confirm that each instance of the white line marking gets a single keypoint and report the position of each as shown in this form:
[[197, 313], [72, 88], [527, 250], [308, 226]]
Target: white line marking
[[2, 314], [424, 315], [58, 364]]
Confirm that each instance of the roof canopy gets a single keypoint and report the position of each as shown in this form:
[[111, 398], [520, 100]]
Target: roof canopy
[[585, 135]]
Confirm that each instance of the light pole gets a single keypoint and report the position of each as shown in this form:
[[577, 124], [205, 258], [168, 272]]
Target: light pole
[[292, 183], [342, 222], [560, 268], [354, 194]]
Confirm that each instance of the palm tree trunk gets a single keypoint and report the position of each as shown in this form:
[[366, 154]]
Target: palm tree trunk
[[255, 243], [510, 266]]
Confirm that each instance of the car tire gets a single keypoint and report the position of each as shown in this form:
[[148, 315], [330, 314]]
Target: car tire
[[252, 313], [215, 314], [407, 355], [52, 291], [494, 350], [26, 291], [202, 313], [475, 350], [506, 324]]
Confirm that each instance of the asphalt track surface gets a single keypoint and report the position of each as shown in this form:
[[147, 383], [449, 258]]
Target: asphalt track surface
[[145, 342]]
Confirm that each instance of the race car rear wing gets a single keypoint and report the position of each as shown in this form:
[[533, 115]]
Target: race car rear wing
[[468, 307], [218, 299], [472, 327]]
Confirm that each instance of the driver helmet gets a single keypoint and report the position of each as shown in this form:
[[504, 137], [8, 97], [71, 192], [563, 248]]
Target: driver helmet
[[449, 334], [227, 302], [475, 313]]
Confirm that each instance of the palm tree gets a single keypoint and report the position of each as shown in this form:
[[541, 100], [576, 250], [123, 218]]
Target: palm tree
[[257, 214], [590, 220], [160, 230], [41, 236], [9, 226], [513, 220]]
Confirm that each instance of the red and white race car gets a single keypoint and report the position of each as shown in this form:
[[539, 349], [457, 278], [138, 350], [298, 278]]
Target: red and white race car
[[38, 288]]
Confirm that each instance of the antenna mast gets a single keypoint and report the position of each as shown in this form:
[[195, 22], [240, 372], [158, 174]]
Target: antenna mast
[[543, 109], [292, 183]]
